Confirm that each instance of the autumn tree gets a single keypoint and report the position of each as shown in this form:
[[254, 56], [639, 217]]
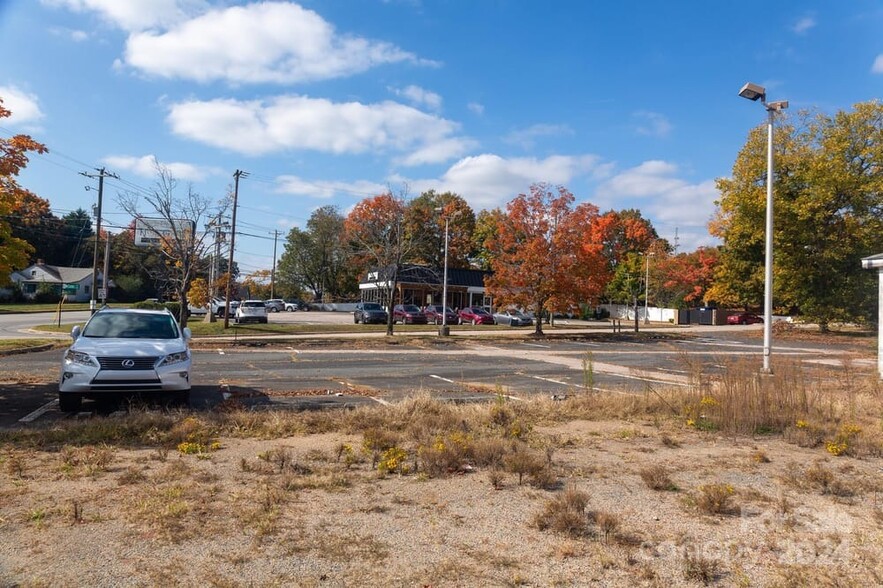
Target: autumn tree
[[375, 230], [828, 215], [683, 280], [198, 294], [257, 284], [317, 258], [425, 224], [181, 244], [486, 226], [546, 254], [626, 232], [14, 151]]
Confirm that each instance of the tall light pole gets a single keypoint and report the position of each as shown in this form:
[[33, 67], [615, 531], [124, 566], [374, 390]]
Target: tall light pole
[[754, 93], [647, 287], [444, 326]]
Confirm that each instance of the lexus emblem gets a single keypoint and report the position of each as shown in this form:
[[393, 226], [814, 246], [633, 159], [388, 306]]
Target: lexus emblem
[[127, 363]]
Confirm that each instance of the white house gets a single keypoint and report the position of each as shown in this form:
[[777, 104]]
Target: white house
[[75, 282], [876, 262]]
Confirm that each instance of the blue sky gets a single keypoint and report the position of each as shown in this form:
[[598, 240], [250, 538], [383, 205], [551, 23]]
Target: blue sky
[[628, 104]]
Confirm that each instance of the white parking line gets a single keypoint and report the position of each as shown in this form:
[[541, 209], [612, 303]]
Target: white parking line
[[442, 379], [537, 345], [550, 380], [39, 412], [380, 401], [221, 352], [587, 344]]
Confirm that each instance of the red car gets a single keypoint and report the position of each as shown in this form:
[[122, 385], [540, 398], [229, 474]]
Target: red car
[[744, 318], [475, 315], [408, 314]]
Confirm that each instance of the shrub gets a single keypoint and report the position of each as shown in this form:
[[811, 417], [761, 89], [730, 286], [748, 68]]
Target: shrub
[[565, 513], [716, 499], [656, 477]]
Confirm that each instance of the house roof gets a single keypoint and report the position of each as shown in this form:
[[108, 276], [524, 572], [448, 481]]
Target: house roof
[[54, 273]]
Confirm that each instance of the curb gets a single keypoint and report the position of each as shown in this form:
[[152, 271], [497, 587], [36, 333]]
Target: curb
[[22, 350]]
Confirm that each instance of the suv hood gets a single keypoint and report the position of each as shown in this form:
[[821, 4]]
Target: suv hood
[[112, 347]]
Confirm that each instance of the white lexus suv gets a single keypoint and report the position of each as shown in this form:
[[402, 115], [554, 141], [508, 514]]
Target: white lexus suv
[[125, 350]]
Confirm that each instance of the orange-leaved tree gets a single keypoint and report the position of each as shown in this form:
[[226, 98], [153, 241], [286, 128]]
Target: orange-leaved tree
[[545, 253], [375, 230], [686, 278], [13, 158]]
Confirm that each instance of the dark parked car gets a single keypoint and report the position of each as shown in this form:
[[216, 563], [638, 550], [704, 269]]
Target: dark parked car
[[513, 318], [369, 312], [408, 314], [436, 312], [475, 315], [744, 318]]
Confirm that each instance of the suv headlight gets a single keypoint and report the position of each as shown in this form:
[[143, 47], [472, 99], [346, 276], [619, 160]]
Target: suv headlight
[[174, 358], [79, 358]]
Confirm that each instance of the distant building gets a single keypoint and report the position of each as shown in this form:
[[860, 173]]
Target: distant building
[[876, 262], [75, 282], [422, 285]]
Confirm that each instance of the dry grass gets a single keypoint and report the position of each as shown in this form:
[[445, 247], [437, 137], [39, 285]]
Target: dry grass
[[366, 494]]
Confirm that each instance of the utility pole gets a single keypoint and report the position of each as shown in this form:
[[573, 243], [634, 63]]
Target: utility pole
[[102, 173], [106, 270], [236, 175], [273, 271]]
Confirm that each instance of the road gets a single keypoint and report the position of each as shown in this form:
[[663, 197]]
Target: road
[[308, 374]]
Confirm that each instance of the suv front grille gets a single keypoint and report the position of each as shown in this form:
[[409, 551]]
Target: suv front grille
[[116, 363]]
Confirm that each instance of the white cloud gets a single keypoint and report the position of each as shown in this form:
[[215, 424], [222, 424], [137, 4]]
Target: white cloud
[[135, 15], [652, 124], [74, 35], [266, 42], [665, 198], [145, 166], [526, 138], [476, 108], [419, 97], [488, 180], [878, 65], [327, 189], [25, 107], [803, 25], [301, 122]]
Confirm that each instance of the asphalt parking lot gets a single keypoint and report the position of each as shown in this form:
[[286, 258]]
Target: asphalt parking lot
[[316, 374]]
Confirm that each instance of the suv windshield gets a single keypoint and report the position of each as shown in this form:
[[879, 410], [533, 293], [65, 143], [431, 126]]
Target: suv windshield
[[252, 304], [131, 326], [410, 308], [371, 306]]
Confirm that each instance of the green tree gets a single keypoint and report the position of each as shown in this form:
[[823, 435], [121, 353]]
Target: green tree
[[828, 215], [317, 258], [425, 223]]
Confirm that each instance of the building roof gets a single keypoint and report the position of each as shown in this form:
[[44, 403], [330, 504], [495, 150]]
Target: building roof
[[873, 262], [54, 273], [425, 275]]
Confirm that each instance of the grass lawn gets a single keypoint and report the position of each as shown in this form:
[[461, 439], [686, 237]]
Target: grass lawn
[[33, 307]]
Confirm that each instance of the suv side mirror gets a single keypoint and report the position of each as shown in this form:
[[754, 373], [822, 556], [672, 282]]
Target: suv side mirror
[[187, 333], [75, 332]]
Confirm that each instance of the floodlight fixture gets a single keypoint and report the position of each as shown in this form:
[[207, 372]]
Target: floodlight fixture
[[753, 92]]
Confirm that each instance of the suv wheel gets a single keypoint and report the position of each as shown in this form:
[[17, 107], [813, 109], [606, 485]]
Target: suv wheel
[[68, 402]]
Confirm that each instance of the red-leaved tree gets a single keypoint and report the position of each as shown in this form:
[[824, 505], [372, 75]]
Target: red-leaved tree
[[546, 254]]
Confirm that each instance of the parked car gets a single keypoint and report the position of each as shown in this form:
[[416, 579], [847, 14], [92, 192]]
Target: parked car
[[475, 315], [251, 311], [125, 350], [275, 305], [408, 314], [369, 312], [218, 305], [435, 312], [513, 318], [744, 318], [192, 309], [294, 305]]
